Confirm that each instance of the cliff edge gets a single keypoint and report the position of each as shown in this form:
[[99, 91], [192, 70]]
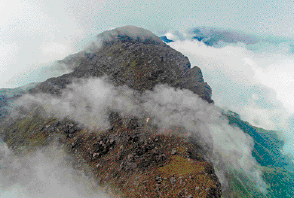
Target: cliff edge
[[134, 57], [131, 156]]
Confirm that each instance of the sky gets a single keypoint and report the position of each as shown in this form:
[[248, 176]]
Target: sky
[[36, 33]]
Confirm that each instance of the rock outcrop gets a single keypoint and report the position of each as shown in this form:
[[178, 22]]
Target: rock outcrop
[[130, 157], [134, 57]]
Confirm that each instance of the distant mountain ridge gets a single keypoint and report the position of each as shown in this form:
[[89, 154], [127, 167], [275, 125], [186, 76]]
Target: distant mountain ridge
[[211, 36], [220, 37], [165, 39]]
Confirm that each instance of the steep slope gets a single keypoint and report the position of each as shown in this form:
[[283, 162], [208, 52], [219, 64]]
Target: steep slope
[[7, 96], [268, 153], [140, 62], [132, 161], [132, 156]]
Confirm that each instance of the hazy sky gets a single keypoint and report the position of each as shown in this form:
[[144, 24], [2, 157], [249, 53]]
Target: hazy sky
[[36, 32]]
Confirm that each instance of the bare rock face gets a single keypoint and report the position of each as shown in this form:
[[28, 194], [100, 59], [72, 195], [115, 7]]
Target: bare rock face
[[134, 57], [130, 157], [130, 160], [193, 80]]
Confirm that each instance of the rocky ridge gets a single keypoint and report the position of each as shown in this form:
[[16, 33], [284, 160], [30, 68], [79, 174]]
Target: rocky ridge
[[140, 62], [129, 160], [131, 157]]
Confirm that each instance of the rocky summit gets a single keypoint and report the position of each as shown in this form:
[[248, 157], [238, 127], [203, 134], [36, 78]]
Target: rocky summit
[[134, 57], [131, 158]]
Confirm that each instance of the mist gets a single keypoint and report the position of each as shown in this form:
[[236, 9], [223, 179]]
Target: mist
[[228, 146], [254, 80], [36, 33], [90, 101], [86, 101], [47, 172]]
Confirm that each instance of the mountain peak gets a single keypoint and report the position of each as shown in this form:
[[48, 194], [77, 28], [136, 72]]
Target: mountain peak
[[129, 153], [134, 57], [131, 34]]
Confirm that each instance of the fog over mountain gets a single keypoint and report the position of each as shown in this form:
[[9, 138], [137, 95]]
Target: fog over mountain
[[255, 74], [46, 173], [34, 33], [208, 112], [131, 72]]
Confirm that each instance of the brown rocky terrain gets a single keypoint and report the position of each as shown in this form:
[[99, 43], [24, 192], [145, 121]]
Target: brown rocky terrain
[[132, 158], [140, 63]]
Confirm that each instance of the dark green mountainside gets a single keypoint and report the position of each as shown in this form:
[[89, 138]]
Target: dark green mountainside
[[268, 153]]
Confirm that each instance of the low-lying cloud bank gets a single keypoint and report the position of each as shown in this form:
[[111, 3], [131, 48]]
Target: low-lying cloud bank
[[45, 173], [254, 80], [89, 103], [229, 146]]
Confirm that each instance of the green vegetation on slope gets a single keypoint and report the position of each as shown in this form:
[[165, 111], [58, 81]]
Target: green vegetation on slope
[[131, 161], [267, 152], [280, 180]]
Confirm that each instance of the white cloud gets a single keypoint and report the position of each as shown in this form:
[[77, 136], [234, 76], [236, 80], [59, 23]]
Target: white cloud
[[56, 50], [44, 173], [170, 36], [255, 81], [87, 101], [280, 77], [90, 101], [35, 24], [34, 33], [203, 122], [231, 71]]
